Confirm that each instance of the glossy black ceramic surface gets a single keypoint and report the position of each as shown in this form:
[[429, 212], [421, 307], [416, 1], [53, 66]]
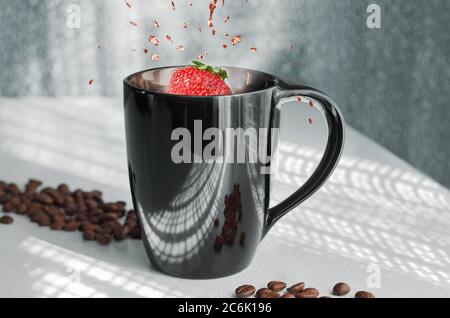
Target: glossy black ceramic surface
[[205, 220]]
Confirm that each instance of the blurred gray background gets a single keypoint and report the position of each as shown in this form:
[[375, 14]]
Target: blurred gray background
[[391, 83]]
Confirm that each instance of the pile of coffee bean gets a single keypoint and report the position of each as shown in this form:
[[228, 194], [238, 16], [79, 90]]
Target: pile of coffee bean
[[61, 209], [278, 289]]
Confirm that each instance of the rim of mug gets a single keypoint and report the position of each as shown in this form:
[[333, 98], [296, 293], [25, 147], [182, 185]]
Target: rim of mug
[[127, 81]]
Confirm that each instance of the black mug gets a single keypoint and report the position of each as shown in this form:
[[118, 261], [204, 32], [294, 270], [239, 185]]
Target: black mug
[[204, 218]]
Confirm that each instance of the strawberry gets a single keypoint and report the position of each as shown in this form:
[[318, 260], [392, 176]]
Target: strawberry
[[199, 80]]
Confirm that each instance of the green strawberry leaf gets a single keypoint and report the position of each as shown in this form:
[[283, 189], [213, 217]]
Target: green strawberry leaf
[[215, 70]]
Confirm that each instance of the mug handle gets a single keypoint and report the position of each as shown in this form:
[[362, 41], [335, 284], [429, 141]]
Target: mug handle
[[333, 151]]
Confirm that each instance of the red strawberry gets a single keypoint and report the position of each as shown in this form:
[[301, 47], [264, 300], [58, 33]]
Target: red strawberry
[[199, 80]]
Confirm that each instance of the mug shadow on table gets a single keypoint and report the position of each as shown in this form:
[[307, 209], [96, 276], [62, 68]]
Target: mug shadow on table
[[367, 212]]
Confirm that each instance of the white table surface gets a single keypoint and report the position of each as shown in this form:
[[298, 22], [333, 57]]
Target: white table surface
[[376, 212]]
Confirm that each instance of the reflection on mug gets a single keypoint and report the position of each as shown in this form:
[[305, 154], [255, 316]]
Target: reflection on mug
[[233, 218]]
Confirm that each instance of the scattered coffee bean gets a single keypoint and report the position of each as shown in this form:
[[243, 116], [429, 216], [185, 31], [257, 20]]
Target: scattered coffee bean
[[136, 233], [276, 286], [88, 227], [121, 232], [308, 293], [57, 225], [62, 209], [63, 189], [295, 289], [43, 198], [22, 208], [266, 293], [103, 239], [44, 221], [37, 216], [13, 189], [288, 295], [89, 236], [35, 207], [245, 291], [15, 200], [364, 294], [71, 226], [108, 217], [6, 220], [8, 207], [341, 289], [31, 187]]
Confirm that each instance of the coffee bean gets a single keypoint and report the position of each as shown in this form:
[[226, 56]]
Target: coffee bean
[[2, 193], [364, 294], [288, 295], [341, 289], [78, 195], [308, 293], [44, 220], [111, 207], [121, 232], [89, 236], [13, 189], [295, 289], [266, 293], [245, 291], [69, 200], [88, 227], [8, 207], [136, 233], [57, 225], [132, 216], [71, 226], [81, 218], [63, 189], [53, 211], [93, 219], [103, 239], [57, 197], [91, 204], [108, 217], [71, 209], [276, 286], [6, 220], [22, 208], [31, 187], [15, 200], [36, 217], [121, 208], [81, 208], [43, 198], [35, 207]]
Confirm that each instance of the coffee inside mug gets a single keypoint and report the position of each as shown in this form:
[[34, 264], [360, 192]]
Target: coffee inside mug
[[240, 80]]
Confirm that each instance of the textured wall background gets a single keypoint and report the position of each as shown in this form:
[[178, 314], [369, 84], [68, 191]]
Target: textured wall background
[[391, 83]]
